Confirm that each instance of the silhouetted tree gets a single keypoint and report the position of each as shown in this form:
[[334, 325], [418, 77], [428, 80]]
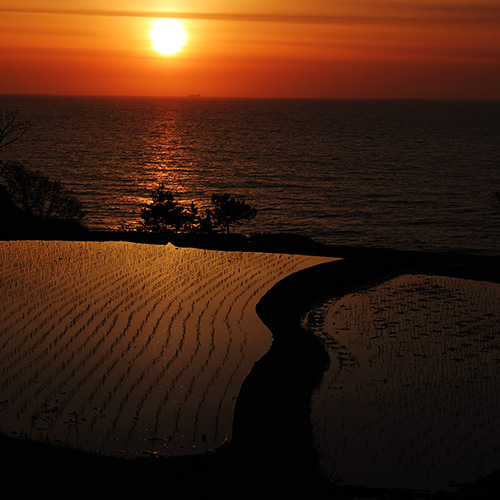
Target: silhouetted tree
[[38, 196], [197, 223], [11, 128], [31, 199], [163, 214], [228, 210]]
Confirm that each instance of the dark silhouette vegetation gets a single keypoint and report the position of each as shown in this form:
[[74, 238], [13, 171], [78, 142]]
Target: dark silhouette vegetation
[[38, 196], [228, 210], [11, 127], [166, 215], [30, 200]]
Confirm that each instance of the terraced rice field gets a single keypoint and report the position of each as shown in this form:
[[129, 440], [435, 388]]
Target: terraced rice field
[[127, 349], [411, 398]]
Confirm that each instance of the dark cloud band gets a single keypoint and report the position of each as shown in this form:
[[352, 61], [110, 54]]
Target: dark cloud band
[[437, 14]]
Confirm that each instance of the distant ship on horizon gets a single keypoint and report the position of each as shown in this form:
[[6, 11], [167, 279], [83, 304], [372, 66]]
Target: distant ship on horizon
[[194, 95]]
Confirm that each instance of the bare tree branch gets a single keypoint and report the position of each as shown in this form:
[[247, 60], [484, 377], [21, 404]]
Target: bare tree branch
[[11, 128]]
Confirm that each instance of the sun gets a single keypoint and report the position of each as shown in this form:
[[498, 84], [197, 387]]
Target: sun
[[168, 36]]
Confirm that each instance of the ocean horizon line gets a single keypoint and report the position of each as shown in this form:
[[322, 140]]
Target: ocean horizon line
[[257, 98]]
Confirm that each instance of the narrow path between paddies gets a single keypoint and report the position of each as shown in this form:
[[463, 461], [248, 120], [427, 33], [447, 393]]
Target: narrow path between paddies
[[127, 349], [273, 428]]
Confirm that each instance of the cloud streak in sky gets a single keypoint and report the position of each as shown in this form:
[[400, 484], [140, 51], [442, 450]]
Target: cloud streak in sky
[[416, 14]]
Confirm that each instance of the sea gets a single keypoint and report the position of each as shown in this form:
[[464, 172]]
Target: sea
[[403, 174]]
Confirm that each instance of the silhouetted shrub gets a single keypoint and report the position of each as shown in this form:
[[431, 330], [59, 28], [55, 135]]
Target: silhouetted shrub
[[30, 200], [228, 210], [165, 215], [38, 196]]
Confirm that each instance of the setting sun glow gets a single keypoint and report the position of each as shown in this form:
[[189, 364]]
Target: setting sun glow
[[417, 49], [168, 36]]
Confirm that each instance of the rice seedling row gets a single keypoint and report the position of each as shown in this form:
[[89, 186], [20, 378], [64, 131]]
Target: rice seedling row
[[124, 348], [69, 306], [410, 397]]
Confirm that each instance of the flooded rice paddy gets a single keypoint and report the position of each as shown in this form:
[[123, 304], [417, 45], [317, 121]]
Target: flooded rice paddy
[[411, 397], [128, 349]]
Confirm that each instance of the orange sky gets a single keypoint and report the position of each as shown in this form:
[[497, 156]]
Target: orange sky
[[254, 48]]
